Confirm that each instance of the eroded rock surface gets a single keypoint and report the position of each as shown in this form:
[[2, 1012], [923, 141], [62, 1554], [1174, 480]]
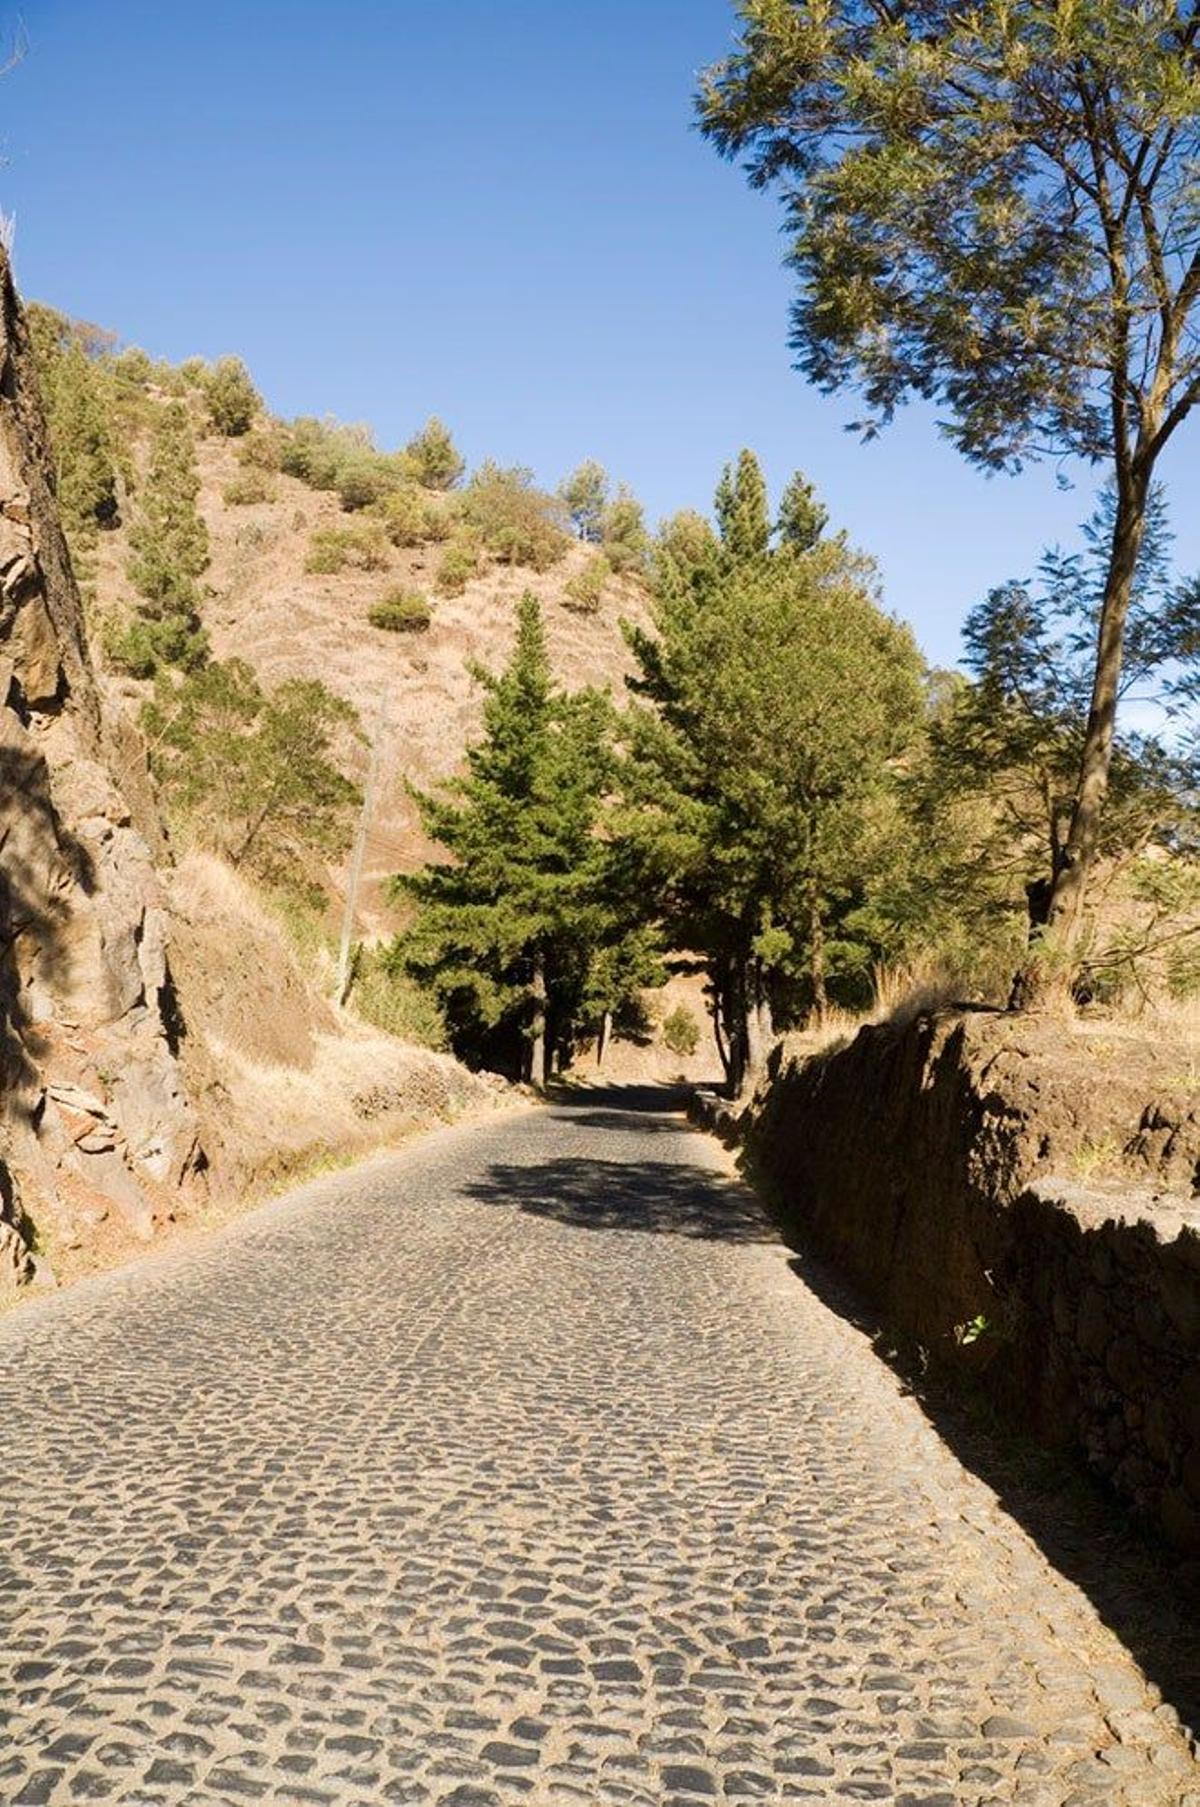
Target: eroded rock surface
[[93, 1112]]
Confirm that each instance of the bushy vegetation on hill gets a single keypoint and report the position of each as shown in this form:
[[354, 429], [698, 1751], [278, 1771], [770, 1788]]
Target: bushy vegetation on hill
[[401, 612], [784, 799], [253, 774]]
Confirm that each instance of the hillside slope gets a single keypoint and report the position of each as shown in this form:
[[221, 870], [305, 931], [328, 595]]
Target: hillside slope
[[160, 1046], [264, 607]]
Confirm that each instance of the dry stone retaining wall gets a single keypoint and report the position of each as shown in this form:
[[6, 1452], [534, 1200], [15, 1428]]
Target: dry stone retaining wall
[[936, 1162]]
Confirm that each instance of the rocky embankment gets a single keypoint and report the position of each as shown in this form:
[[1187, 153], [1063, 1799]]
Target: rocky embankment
[[1022, 1200], [93, 1109], [159, 1047]]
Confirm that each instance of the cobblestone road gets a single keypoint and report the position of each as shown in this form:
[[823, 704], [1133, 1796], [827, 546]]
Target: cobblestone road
[[520, 1468]]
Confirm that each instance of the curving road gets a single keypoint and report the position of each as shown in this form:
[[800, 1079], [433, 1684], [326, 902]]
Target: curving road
[[520, 1468]]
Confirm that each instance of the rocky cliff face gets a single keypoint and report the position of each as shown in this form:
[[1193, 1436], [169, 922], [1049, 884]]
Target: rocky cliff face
[[94, 1117]]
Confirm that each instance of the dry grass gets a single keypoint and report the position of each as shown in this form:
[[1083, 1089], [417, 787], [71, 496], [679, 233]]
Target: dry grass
[[289, 622]]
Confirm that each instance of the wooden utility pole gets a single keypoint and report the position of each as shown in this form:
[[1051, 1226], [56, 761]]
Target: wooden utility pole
[[358, 858]]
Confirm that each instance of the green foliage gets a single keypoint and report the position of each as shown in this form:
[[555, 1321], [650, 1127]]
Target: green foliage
[[432, 457], [143, 645], [388, 998], [517, 522], [168, 541], [358, 546], [515, 930], [585, 591], [168, 553], [410, 516], [230, 397], [327, 455], [460, 562], [958, 186], [251, 772], [250, 486], [78, 407], [685, 544], [681, 1032], [402, 612], [584, 495], [761, 777], [623, 535], [993, 796], [984, 207], [802, 516], [742, 511], [260, 449]]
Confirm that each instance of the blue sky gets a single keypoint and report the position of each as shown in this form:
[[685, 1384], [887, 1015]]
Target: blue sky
[[500, 214]]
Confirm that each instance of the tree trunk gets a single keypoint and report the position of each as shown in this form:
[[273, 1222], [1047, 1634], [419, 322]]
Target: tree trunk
[[1064, 913], [760, 1023], [538, 1046], [602, 1038], [816, 958], [737, 1028], [719, 1035]]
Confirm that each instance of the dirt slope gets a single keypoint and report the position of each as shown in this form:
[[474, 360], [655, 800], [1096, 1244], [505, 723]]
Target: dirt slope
[[286, 622]]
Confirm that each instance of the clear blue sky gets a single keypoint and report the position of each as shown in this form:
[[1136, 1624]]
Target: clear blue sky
[[496, 213]]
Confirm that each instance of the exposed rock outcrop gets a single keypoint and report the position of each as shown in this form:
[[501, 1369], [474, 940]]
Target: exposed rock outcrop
[[94, 1115]]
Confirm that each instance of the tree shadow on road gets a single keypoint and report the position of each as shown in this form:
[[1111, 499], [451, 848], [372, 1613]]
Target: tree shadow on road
[[1147, 1596], [663, 1198]]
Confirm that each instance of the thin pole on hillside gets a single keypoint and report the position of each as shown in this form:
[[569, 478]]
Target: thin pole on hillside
[[359, 855]]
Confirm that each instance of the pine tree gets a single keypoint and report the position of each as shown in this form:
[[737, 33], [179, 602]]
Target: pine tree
[[79, 417], [231, 398], [511, 928], [778, 698], [623, 532], [433, 457], [802, 518], [168, 553], [585, 496], [742, 510]]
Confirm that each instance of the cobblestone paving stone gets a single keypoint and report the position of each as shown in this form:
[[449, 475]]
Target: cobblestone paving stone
[[520, 1468]]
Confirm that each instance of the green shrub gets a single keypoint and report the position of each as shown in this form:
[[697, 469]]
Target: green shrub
[[433, 458], [681, 1032], [142, 646], [327, 455], [359, 546], [259, 450], [459, 563], [315, 451], [251, 772], [251, 486], [385, 996], [133, 370], [411, 517], [366, 477], [231, 398], [586, 588], [402, 612], [517, 522], [623, 532]]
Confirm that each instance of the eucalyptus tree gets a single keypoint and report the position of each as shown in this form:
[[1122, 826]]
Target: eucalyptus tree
[[994, 206]]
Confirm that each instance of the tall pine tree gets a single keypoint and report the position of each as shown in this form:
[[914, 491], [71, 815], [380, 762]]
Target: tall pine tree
[[742, 510], [518, 931], [779, 699], [168, 545]]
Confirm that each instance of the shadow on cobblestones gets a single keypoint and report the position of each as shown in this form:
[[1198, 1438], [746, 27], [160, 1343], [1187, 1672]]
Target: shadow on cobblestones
[[1148, 1598], [667, 1198]]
